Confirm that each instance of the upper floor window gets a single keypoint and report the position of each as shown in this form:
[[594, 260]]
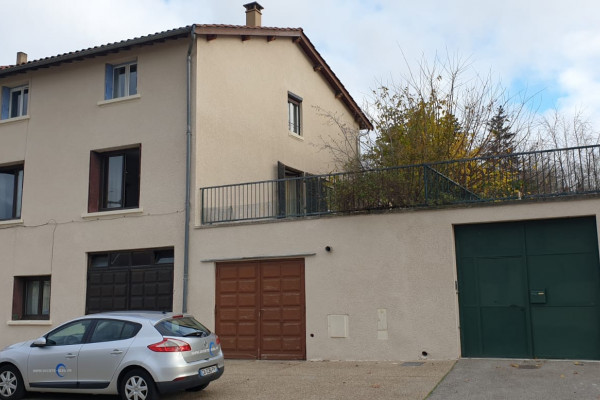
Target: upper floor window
[[114, 180], [11, 191], [14, 101], [294, 113], [121, 80]]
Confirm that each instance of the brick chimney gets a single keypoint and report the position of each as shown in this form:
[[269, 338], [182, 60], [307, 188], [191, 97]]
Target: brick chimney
[[253, 14], [21, 58]]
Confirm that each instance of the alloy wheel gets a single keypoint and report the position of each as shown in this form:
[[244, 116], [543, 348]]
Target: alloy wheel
[[136, 388], [8, 383]]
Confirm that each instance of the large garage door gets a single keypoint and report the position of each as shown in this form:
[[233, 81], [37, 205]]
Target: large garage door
[[130, 280], [529, 289], [261, 309]]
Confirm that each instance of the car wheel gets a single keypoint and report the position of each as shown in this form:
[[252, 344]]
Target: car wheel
[[11, 383], [138, 385], [197, 388]]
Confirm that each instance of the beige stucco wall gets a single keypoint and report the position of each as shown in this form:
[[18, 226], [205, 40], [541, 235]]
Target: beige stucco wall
[[403, 262], [240, 131], [65, 123], [241, 123]]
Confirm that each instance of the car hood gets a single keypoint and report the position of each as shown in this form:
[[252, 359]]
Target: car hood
[[16, 345]]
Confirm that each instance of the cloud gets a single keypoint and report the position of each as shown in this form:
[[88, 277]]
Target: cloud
[[537, 44]]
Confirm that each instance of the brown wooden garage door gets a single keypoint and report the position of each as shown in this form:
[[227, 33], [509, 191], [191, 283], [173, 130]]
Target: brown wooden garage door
[[261, 309]]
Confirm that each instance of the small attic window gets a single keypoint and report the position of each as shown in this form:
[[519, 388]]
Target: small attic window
[[295, 113], [14, 102], [121, 80]]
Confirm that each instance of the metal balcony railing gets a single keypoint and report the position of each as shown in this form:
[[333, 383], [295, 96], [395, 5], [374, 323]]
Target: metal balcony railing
[[531, 175]]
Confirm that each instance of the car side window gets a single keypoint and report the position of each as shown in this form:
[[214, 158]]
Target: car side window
[[72, 333], [130, 330], [108, 330]]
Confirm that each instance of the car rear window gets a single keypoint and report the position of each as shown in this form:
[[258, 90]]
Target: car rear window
[[180, 327]]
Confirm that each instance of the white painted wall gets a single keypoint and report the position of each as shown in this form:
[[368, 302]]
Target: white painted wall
[[403, 262]]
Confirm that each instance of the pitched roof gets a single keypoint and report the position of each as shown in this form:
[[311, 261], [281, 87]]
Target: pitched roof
[[95, 51], [210, 32]]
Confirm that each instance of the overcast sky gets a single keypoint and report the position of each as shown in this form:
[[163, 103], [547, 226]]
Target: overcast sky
[[546, 46]]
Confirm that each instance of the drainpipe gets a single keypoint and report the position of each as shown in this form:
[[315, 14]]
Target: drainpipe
[[188, 170]]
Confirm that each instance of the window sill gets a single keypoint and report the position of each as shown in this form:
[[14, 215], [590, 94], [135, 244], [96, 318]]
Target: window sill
[[15, 119], [111, 214], [119, 100], [11, 222], [30, 322], [295, 136]]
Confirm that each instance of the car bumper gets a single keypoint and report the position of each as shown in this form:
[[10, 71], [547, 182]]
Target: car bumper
[[188, 382]]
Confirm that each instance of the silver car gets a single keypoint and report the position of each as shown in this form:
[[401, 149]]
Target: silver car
[[136, 354]]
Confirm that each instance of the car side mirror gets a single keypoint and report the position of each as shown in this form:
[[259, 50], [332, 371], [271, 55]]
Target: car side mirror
[[39, 342]]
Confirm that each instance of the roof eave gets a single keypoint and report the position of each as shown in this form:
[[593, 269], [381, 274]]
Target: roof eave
[[210, 31], [95, 51]]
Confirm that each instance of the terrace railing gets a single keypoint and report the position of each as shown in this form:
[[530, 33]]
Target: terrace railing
[[531, 175]]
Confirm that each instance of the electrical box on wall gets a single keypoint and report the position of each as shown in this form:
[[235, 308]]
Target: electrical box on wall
[[382, 325], [337, 326]]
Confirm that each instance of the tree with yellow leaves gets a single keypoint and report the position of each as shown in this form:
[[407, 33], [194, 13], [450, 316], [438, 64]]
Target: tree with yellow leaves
[[442, 112]]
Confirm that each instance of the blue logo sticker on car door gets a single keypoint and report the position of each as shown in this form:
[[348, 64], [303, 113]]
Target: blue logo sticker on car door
[[61, 369]]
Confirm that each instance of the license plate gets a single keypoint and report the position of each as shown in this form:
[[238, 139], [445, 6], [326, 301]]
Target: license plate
[[208, 370]]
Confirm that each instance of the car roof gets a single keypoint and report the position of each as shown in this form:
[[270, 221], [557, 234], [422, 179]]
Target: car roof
[[139, 316]]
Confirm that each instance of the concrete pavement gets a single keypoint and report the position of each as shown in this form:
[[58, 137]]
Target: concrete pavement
[[295, 380], [491, 379], [306, 380], [487, 379]]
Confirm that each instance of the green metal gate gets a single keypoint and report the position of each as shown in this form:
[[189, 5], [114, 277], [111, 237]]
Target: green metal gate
[[529, 289]]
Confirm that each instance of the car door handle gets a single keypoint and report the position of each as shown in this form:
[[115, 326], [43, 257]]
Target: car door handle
[[116, 351], [71, 355]]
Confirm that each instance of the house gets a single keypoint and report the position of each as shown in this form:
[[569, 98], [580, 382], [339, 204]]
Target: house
[[102, 148], [182, 171]]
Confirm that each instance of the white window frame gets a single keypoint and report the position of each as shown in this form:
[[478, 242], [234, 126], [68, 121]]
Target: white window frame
[[22, 103], [115, 88]]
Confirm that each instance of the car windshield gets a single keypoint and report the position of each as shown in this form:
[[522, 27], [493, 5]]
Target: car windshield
[[185, 326]]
